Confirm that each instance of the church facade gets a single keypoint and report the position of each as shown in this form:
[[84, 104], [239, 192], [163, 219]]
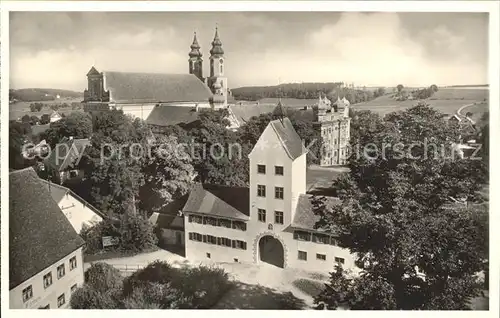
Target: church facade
[[149, 95], [272, 221]]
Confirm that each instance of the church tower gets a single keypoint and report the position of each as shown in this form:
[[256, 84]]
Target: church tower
[[217, 82], [195, 60]]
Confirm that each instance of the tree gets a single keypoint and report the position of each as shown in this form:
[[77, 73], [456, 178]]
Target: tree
[[112, 164], [102, 277], [32, 107], [38, 106], [434, 88], [34, 120], [168, 173], [26, 119], [415, 248], [77, 125], [136, 233], [19, 134], [400, 87]]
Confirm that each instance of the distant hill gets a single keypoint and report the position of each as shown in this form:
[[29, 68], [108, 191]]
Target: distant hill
[[41, 94]]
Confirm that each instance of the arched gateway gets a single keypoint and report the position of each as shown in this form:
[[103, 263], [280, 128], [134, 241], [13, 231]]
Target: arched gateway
[[271, 251]]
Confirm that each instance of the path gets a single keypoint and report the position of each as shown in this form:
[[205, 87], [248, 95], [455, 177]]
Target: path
[[259, 286], [459, 111]]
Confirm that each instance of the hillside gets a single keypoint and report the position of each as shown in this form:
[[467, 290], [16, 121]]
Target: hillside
[[41, 94]]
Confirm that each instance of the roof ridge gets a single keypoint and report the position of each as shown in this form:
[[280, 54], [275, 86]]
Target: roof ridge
[[21, 170]]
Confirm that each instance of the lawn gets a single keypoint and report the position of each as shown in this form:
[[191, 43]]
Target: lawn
[[310, 287], [446, 100], [20, 109]]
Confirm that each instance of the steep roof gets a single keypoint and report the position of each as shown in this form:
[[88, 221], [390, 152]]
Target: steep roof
[[58, 192], [217, 200], [39, 233], [304, 216], [66, 152], [288, 137], [155, 87], [172, 115]]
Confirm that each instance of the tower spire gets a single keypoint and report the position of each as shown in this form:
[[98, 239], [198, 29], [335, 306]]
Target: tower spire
[[195, 48], [216, 44]]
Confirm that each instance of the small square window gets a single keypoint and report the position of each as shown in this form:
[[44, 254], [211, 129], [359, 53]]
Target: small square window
[[278, 193], [236, 260], [303, 255], [339, 260], [278, 170], [278, 217], [73, 288], [262, 215], [261, 169], [47, 280], [261, 190], [61, 300], [60, 271], [208, 255], [27, 293], [321, 257], [72, 263]]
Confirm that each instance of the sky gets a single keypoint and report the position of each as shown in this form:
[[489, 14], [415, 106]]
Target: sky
[[56, 49]]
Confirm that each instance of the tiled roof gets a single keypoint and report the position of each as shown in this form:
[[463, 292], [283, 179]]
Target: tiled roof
[[172, 115], [304, 215], [39, 233], [155, 88], [217, 200], [65, 153], [58, 192], [288, 137], [244, 112], [167, 221]]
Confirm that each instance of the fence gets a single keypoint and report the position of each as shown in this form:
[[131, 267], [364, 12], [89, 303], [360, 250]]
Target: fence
[[122, 267]]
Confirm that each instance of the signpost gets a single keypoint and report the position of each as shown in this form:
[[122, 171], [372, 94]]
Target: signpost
[[109, 241]]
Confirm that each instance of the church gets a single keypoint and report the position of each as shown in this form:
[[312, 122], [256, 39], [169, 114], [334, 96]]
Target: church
[[162, 99], [272, 220]]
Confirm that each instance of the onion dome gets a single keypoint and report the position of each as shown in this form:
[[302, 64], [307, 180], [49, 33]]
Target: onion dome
[[216, 45], [195, 48]]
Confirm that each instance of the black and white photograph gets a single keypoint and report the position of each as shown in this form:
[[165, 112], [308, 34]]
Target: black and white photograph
[[233, 156]]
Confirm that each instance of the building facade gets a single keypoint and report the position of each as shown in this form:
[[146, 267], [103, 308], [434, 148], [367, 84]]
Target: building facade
[[272, 221], [334, 123], [140, 94], [45, 252]]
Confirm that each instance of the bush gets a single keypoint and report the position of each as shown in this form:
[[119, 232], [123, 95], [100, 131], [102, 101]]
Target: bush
[[88, 298], [103, 277], [136, 233], [157, 272]]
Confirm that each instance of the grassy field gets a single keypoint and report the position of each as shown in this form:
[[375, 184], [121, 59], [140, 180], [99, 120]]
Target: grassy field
[[20, 109], [446, 100]]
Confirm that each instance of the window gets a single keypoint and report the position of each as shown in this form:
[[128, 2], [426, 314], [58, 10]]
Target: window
[[302, 236], [262, 215], [45, 307], [261, 169], [278, 170], [224, 241], [27, 293], [195, 237], [72, 263], [225, 223], [278, 217], [261, 190], [204, 238], [303, 256], [238, 225], [321, 257], [208, 255], [321, 238], [47, 280], [236, 260], [339, 260], [278, 193], [240, 245], [195, 219], [60, 271], [210, 221], [73, 288], [61, 300], [211, 239]]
